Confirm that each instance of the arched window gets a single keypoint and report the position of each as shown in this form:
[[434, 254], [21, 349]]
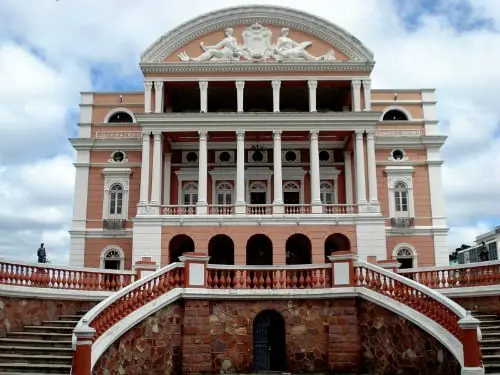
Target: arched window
[[405, 257], [258, 193], [224, 194], [291, 193], [116, 199], [327, 193], [291, 187], [395, 115], [401, 197], [112, 258], [120, 117], [190, 194]]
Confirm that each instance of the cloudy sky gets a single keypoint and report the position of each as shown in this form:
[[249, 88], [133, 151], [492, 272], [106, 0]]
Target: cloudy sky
[[50, 50]]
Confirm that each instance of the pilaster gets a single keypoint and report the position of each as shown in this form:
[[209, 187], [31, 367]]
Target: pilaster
[[313, 85], [203, 96], [356, 95], [240, 86], [144, 192], [158, 96], [367, 91], [147, 96], [276, 95]]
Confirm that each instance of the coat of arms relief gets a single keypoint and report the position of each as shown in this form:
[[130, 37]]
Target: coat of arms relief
[[257, 46]]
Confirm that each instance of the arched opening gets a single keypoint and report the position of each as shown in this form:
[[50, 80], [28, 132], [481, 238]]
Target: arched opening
[[298, 249], [116, 199], [291, 193], [336, 242], [269, 342], [258, 193], [395, 115], [121, 117], [179, 245], [112, 260], [221, 250], [259, 250], [327, 193], [405, 257]]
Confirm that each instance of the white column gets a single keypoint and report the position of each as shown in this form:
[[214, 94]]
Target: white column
[[240, 204], [203, 96], [158, 96], [313, 85], [372, 168], [367, 91], [348, 176], [157, 166], [201, 207], [316, 206], [167, 178], [144, 192], [360, 169], [356, 95], [278, 207], [276, 95], [240, 85], [147, 96]]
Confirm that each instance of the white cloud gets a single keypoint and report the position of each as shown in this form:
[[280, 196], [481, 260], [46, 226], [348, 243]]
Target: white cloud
[[47, 56]]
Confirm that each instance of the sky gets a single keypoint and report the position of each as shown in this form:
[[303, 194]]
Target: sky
[[50, 50]]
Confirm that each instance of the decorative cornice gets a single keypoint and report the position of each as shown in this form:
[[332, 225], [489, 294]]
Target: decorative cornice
[[248, 15]]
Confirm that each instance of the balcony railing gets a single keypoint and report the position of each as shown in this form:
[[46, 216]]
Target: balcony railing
[[402, 222], [260, 209]]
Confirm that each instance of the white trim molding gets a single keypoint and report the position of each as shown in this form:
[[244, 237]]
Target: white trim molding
[[112, 176], [402, 174]]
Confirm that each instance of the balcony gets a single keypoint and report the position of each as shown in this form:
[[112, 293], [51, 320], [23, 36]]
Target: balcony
[[114, 224], [402, 222], [260, 209]]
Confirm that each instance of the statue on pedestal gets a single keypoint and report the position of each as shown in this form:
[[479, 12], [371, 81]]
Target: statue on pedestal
[[226, 49]]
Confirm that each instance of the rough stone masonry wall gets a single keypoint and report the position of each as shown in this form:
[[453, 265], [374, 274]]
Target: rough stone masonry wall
[[15, 313], [393, 345], [485, 305], [151, 347]]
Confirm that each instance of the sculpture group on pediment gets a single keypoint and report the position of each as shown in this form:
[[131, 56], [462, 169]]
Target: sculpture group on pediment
[[257, 46]]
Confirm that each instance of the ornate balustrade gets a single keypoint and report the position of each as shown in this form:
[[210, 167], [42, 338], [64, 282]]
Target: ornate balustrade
[[457, 276], [61, 277], [307, 276]]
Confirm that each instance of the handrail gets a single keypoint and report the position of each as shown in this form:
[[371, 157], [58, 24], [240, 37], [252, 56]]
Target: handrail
[[413, 294], [41, 275], [102, 316], [457, 276]]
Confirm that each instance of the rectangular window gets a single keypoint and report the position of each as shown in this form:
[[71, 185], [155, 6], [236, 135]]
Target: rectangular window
[[112, 204]]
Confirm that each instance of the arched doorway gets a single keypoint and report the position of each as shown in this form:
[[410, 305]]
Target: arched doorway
[[179, 245], [405, 257], [269, 342], [336, 242], [221, 250], [298, 249], [259, 250]]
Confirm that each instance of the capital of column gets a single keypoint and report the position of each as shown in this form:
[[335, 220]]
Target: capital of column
[[359, 134], [240, 135], [313, 84], [276, 84], [158, 85], [240, 85], [203, 85], [158, 135], [277, 134], [203, 134], [356, 83], [145, 134], [148, 85], [370, 135], [367, 83], [313, 135]]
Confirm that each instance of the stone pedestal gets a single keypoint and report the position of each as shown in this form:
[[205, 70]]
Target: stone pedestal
[[342, 268], [144, 267]]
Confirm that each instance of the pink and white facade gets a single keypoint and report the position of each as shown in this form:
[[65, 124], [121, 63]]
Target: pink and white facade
[[258, 139]]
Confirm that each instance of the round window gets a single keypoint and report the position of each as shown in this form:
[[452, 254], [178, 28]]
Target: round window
[[324, 156], [290, 156], [224, 157], [118, 157], [257, 156], [397, 155], [191, 157]]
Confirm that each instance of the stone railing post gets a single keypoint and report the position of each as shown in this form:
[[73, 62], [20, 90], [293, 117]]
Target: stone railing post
[[389, 265], [195, 269], [83, 354], [342, 268], [470, 342], [144, 267]]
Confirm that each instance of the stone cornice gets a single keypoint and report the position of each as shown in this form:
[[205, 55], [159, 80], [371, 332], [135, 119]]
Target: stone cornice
[[411, 142], [86, 144], [248, 15]]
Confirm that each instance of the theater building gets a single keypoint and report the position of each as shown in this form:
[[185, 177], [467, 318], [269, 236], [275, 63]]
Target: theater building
[[258, 139]]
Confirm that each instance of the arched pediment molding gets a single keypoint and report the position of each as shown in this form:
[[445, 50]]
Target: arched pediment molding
[[324, 30], [396, 108]]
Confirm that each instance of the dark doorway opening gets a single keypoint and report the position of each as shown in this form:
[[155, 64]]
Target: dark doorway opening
[[269, 342], [221, 251], [298, 249], [291, 197], [336, 242], [406, 263], [257, 198], [112, 264], [179, 245], [259, 250]]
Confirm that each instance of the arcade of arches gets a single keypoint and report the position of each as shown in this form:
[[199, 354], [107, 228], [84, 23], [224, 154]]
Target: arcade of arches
[[259, 248]]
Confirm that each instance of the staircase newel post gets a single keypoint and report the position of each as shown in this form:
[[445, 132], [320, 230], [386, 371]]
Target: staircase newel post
[[144, 267], [389, 265], [470, 341], [343, 272], [195, 270], [83, 354]]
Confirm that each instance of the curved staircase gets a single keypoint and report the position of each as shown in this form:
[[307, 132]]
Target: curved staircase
[[37, 350]]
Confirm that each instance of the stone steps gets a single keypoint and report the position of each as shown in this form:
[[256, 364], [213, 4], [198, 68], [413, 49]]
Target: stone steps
[[40, 350], [490, 342]]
